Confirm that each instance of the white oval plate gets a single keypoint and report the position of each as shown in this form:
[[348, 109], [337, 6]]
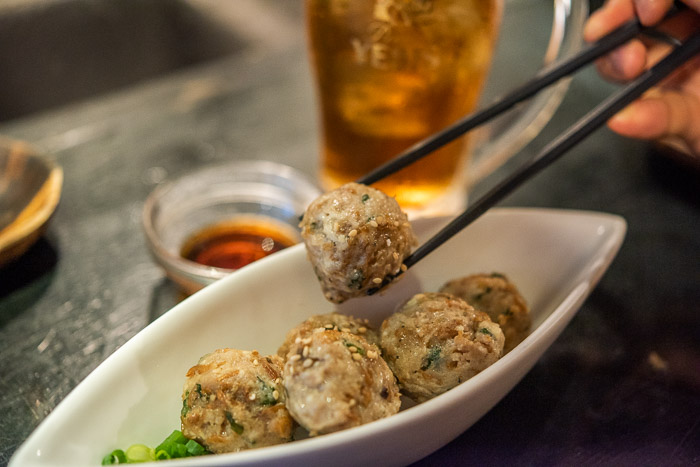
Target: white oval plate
[[555, 258]]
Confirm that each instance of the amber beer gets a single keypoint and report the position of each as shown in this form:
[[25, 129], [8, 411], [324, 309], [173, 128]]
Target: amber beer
[[390, 73]]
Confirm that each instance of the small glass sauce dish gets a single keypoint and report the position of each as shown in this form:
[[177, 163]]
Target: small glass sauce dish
[[204, 225]]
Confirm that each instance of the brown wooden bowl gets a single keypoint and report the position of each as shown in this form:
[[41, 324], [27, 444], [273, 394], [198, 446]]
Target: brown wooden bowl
[[30, 188]]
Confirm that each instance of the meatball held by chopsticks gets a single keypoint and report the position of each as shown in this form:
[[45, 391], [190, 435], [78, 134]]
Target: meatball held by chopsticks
[[355, 236]]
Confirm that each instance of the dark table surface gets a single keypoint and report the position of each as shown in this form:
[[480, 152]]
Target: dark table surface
[[621, 386]]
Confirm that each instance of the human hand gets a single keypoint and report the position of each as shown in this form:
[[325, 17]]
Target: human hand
[[672, 109]]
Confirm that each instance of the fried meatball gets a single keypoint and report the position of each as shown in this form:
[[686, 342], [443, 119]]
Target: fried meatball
[[495, 295], [234, 400], [336, 380], [336, 321], [436, 341], [355, 236]]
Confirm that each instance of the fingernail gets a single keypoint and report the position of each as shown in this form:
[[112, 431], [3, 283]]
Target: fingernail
[[651, 11], [617, 61], [642, 8]]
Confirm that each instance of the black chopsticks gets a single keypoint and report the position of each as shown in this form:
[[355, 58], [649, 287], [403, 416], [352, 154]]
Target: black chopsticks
[[575, 134]]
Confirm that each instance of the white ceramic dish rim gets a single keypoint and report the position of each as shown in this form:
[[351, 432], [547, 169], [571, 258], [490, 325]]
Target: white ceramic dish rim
[[515, 364]]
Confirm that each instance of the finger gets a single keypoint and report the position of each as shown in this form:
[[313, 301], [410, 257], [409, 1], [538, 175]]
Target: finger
[[682, 25], [624, 63], [685, 78], [663, 114], [613, 14], [616, 12], [694, 4], [651, 12]]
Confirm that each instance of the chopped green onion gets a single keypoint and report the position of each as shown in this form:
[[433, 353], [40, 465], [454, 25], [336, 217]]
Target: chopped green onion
[[177, 450], [236, 427], [162, 455], [359, 349], [115, 457], [175, 437], [432, 357], [185, 407], [173, 447], [266, 393], [194, 448], [140, 453], [486, 331]]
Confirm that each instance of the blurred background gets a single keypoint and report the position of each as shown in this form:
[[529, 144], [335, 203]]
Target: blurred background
[[55, 52], [128, 94]]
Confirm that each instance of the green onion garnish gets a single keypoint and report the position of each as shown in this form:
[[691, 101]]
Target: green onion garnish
[[139, 453], [175, 437], [238, 429], [193, 448], [173, 447], [185, 408], [432, 357], [266, 393], [359, 349], [115, 457]]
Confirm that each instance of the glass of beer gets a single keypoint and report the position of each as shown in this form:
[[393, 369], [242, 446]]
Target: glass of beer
[[390, 73]]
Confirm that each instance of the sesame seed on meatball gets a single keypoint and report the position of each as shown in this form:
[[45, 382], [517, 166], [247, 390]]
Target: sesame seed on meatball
[[337, 380], [336, 321], [234, 400], [495, 295], [436, 341], [355, 237]]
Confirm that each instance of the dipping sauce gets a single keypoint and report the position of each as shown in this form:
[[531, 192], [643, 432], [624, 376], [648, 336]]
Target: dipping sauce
[[233, 243]]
